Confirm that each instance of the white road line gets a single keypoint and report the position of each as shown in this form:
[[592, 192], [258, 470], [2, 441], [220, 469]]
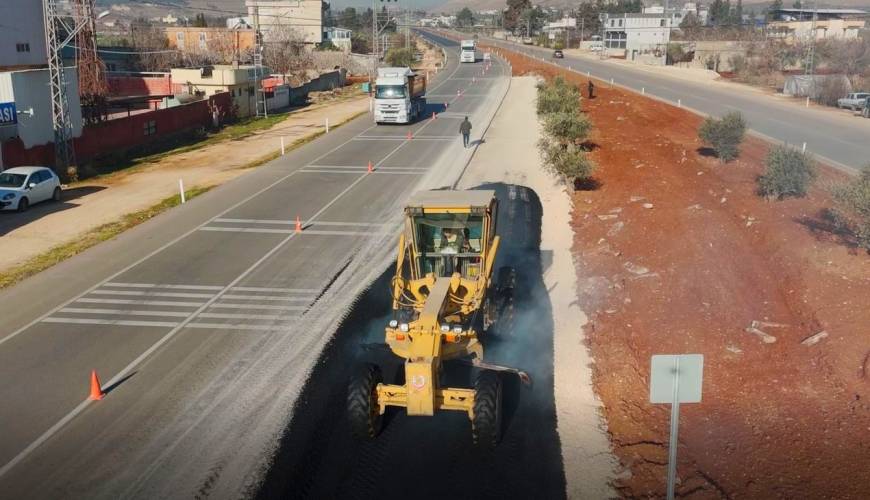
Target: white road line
[[223, 326], [230, 296], [139, 302], [276, 290], [430, 139], [258, 306], [376, 172], [248, 316], [365, 167], [291, 222], [124, 312], [153, 294], [116, 322], [247, 230], [169, 335], [154, 285], [306, 232]]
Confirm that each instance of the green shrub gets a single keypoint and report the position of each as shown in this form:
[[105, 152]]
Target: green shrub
[[568, 162], [724, 135], [568, 128], [853, 207], [788, 172], [557, 96], [400, 57]]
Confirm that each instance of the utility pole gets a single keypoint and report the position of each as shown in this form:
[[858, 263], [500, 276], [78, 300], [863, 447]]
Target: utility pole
[[92, 72], [258, 67], [57, 25]]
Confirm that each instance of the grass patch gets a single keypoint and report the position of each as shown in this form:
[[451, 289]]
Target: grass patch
[[97, 235]]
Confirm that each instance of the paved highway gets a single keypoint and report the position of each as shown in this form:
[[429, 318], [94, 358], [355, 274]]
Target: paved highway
[[205, 322], [843, 141]]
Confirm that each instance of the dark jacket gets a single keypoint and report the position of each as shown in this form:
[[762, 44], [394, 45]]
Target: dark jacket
[[465, 127]]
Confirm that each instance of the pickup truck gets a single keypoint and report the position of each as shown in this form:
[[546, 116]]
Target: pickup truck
[[854, 101]]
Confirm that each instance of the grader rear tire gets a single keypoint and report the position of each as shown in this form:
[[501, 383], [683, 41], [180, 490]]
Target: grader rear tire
[[362, 402], [486, 424]]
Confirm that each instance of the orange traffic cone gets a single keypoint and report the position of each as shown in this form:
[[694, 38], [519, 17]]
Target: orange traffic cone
[[433, 115], [409, 136], [96, 389], [371, 168], [298, 225]]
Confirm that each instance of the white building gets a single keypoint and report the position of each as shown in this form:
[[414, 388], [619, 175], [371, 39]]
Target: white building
[[22, 37], [303, 17], [638, 36], [339, 37]]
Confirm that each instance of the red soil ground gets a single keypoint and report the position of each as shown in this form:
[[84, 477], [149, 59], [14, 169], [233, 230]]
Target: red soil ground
[[677, 254]]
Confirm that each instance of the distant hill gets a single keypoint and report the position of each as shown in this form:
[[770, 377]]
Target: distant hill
[[456, 5]]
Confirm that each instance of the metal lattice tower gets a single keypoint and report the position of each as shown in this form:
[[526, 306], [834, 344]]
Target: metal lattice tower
[[60, 116], [92, 72], [259, 91]]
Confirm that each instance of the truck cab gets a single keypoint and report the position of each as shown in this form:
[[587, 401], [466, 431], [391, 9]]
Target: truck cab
[[467, 51], [400, 95]]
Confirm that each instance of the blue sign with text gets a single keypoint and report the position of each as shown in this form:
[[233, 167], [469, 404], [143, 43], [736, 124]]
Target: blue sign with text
[[8, 116]]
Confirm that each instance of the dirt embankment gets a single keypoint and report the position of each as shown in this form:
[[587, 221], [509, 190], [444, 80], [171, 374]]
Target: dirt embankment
[[676, 254]]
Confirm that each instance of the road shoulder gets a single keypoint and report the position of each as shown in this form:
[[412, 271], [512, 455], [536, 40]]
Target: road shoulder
[[509, 155]]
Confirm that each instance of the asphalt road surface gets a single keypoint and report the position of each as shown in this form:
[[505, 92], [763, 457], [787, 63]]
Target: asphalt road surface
[[844, 141], [205, 322], [433, 457]]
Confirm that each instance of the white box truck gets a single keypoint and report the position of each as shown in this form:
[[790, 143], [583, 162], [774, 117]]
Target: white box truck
[[467, 51], [400, 95]]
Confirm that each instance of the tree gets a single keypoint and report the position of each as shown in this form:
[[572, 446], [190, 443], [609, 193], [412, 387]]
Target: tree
[[400, 57], [557, 96], [567, 127], [199, 21], [774, 6], [465, 18], [153, 47], [284, 50], [513, 12], [852, 207], [349, 19], [724, 135], [532, 19], [788, 172]]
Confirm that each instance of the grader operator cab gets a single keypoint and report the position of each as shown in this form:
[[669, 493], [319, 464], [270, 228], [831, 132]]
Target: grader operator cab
[[443, 300]]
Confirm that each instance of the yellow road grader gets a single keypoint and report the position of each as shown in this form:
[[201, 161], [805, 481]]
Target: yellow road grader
[[443, 300]]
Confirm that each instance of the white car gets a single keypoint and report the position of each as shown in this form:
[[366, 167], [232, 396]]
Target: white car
[[21, 187], [853, 101]]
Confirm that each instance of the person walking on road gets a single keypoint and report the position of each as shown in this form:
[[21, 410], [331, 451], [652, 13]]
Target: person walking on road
[[591, 88], [465, 130]]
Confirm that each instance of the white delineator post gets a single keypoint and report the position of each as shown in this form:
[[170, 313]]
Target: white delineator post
[[327, 124], [181, 190], [804, 148], [282, 145]]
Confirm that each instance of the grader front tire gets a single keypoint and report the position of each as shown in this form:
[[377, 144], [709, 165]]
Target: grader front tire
[[362, 402], [486, 424]]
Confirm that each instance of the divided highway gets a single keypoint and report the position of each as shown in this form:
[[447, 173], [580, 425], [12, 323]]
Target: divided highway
[[205, 322], [842, 140]]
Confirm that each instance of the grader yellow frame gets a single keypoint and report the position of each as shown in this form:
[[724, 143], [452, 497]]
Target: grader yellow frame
[[443, 297]]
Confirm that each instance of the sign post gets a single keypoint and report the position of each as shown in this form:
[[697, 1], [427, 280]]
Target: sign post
[[675, 379]]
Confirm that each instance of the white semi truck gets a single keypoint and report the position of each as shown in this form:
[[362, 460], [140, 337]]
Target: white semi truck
[[400, 95], [467, 51]]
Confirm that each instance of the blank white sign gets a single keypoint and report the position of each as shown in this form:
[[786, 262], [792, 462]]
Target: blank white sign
[[664, 370]]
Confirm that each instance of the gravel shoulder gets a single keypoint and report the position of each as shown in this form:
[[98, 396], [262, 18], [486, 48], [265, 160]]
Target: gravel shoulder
[[510, 156]]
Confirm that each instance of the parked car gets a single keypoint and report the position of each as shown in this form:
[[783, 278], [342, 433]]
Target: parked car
[[557, 54], [21, 187], [853, 101], [597, 47]]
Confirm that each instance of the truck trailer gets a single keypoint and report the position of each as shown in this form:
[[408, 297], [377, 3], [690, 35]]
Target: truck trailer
[[467, 51], [400, 95]]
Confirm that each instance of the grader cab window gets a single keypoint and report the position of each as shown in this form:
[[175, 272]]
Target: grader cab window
[[448, 243]]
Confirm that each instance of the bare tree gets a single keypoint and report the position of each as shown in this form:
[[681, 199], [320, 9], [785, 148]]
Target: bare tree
[[153, 47], [284, 50], [849, 57]]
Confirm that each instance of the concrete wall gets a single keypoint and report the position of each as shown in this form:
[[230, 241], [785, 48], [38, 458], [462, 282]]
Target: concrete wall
[[713, 55], [115, 137], [22, 24]]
